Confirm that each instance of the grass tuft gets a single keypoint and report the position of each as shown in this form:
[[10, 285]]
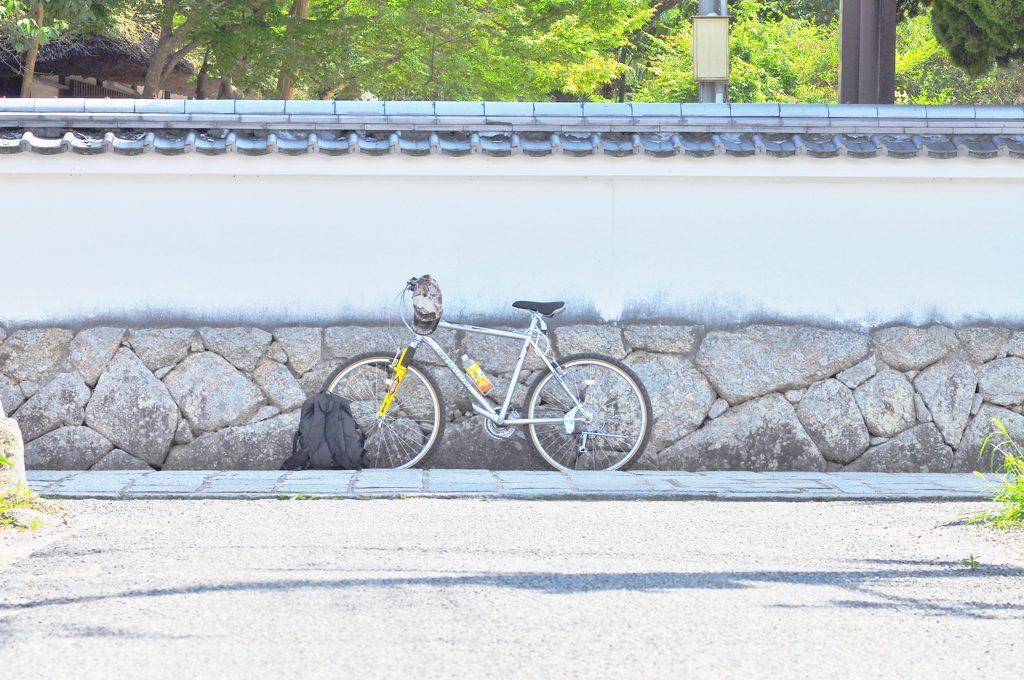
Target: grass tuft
[[1010, 492], [25, 498]]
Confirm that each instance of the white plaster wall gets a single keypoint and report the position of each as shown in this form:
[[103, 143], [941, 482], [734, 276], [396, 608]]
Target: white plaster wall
[[266, 240]]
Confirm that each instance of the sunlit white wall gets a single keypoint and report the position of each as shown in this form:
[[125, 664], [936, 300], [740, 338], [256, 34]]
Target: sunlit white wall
[[721, 240]]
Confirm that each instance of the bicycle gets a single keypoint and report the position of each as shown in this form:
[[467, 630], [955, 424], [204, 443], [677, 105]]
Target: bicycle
[[583, 412]]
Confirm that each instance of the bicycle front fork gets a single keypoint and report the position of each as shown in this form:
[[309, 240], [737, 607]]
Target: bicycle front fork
[[400, 368]]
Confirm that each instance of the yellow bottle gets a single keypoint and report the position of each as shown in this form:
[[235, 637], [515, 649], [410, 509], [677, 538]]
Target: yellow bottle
[[473, 370]]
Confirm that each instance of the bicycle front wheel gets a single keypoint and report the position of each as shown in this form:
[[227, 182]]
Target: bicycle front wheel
[[619, 423], [413, 425]]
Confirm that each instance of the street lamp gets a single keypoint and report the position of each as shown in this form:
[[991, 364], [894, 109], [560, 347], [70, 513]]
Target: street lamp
[[711, 51]]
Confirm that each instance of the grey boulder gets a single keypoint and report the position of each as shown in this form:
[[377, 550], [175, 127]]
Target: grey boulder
[[663, 339], [466, 445], [11, 396], [680, 396], [303, 346], [120, 460], [911, 349], [243, 347], [1002, 381], [133, 409], [497, 355], [92, 349], [832, 419], [280, 386], [212, 394], [764, 434], [69, 448], [947, 389], [983, 344], [757, 360], [590, 338], [35, 354], [161, 347], [60, 403], [261, 446], [969, 455], [919, 449], [855, 376], [887, 403]]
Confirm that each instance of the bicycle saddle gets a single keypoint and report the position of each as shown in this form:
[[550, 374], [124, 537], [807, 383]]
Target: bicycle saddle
[[545, 308]]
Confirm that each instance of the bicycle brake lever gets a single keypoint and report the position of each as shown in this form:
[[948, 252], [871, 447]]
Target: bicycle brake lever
[[411, 283]]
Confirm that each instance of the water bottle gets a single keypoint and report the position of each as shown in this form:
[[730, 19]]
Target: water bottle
[[473, 370]]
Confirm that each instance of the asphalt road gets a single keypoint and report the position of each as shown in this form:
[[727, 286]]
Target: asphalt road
[[470, 588]]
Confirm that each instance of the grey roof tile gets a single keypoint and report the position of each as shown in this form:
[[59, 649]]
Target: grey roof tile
[[900, 111], [161, 105], [509, 109], [803, 111], [999, 113], [209, 106], [558, 109], [657, 110], [950, 112], [754, 110], [307, 107], [358, 108], [68, 105], [408, 108], [260, 106], [606, 110], [474, 109], [853, 111]]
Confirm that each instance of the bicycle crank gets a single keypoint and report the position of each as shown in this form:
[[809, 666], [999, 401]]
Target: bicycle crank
[[499, 432]]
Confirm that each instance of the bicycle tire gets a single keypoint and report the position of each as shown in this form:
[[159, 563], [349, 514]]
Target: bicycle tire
[[382, 446], [641, 410]]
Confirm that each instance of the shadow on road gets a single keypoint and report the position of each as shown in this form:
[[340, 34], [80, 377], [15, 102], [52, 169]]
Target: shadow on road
[[882, 588]]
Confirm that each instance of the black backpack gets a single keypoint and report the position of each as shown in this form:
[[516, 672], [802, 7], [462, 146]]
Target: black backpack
[[328, 437]]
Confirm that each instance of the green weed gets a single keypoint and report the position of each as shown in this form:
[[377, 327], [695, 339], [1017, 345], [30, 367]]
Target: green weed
[[23, 497], [1010, 492], [402, 497], [971, 561], [305, 497]]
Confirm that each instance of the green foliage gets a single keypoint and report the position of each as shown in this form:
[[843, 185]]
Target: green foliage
[[785, 60], [971, 562], [60, 16], [980, 34], [926, 74], [23, 497], [1006, 456]]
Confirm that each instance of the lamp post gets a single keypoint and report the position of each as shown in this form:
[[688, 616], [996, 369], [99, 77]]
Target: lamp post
[[711, 51], [867, 51]]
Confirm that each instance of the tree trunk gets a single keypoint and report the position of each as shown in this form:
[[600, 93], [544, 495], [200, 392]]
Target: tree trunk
[[165, 57], [33, 52], [286, 81], [12, 448], [201, 79]]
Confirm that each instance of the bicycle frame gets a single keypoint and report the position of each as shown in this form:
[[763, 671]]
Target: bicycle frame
[[482, 405]]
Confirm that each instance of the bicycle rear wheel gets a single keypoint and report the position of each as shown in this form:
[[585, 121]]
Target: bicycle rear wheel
[[414, 424], [620, 423]]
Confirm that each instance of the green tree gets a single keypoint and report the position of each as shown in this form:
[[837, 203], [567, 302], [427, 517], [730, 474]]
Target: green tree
[[980, 34], [27, 27]]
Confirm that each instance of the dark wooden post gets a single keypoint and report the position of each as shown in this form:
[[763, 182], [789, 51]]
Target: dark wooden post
[[867, 51], [849, 51]]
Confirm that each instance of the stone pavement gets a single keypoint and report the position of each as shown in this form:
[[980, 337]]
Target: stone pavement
[[640, 485]]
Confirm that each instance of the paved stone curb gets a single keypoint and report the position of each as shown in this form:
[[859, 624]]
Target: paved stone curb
[[640, 485]]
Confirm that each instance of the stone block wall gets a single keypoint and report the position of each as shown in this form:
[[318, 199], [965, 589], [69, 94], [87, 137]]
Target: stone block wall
[[760, 397]]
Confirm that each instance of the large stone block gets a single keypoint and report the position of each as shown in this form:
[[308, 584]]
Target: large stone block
[[498, 355], [832, 419], [261, 446], [948, 391], [680, 395], [983, 344], [887, 403], [587, 338], [212, 394], [302, 345], [120, 460], [133, 409], [663, 339], [1002, 381], [92, 349], [764, 434], [161, 347], [280, 386], [757, 360], [69, 448], [60, 403], [969, 456], [35, 354], [313, 381], [345, 342], [911, 349], [919, 449], [11, 396], [465, 445], [243, 347]]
